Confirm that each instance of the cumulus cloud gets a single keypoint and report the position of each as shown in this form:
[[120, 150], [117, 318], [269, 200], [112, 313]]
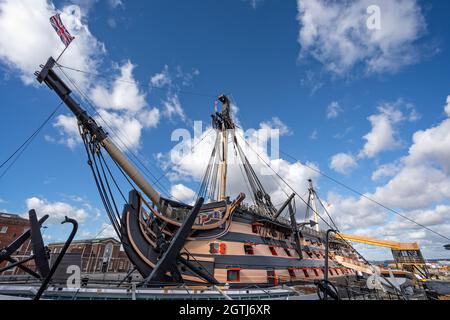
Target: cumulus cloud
[[182, 193], [277, 124], [343, 163], [386, 171], [190, 164], [124, 93], [68, 130], [123, 111], [56, 210], [419, 188], [27, 38], [383, 135], [335, 33]]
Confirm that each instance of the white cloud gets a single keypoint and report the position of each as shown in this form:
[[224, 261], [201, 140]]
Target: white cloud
[[123, 111], [182, 193], [161, 79], [172, 107], [191, 165], [334, 110], [447, 106], [343, 163], [386, 171], [127, 127], [432, 146], [277, 124], [68, 129], [150, 118], [383, 135], [336, 34], [56, 210], [27, 38], [419, 189], [106, 231], [124, 94]]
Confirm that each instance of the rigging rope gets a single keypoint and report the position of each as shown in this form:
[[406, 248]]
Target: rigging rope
[[124, 145], [24, 146], [366, 197], [310, 207], [206, 95]]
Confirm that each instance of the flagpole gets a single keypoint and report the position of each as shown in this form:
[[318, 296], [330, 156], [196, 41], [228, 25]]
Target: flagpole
[[62, 53]]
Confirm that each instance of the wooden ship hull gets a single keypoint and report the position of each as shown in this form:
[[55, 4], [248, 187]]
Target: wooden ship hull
[[215, 243], [244, 251]]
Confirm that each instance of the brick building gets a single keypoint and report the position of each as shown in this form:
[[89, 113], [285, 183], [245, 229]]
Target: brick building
[[97, 255], [11, 227]]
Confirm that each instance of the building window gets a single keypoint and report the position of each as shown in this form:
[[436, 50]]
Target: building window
[[3, 229], [316, 272], [273, 251], [331, 272], [254, 228], [292, 272], [309, 253], [249, 250], [306, 273], [288, 252], [234, 275]]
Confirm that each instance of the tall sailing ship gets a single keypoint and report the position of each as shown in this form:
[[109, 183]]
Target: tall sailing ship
[[218, 240]]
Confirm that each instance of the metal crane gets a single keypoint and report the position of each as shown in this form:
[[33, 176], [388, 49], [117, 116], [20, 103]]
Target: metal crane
[[407, 256]]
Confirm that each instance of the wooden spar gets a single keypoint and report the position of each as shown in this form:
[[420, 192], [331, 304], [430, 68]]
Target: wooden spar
[[55, 83], [312, 204], [226, 125], [280, 211], [224, 165]]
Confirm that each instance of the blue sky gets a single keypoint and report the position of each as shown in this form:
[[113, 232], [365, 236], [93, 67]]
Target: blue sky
[[366, 107]]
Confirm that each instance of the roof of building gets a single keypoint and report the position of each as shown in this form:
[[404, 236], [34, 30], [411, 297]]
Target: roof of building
[[89, 241], [11, 216]]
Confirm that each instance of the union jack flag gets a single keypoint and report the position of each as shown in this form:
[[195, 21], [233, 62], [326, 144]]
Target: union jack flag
[[61, 30]]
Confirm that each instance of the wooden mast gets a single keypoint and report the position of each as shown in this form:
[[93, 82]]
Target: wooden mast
[[55, 83], [227, 124], [312, 204]]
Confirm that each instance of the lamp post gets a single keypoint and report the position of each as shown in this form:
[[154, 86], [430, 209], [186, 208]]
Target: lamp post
[[326, 259]]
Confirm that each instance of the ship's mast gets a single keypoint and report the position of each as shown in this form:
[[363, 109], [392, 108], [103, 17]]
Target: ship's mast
[[312, 203], [226, 124], [97, 133]]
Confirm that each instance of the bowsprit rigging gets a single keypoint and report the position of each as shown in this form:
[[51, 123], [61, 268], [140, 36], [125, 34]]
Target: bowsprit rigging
[[218, 240]]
